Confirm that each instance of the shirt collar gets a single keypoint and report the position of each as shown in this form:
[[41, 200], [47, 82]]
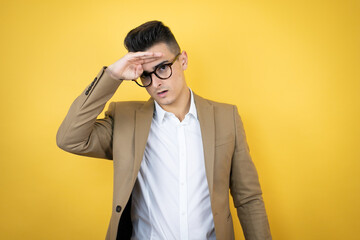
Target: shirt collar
[[160, 113]]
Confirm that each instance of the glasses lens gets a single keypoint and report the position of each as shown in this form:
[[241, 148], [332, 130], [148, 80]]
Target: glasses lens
[[163, 71], [145, 80]]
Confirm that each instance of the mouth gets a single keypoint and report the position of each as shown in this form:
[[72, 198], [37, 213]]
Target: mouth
[[162, 93]]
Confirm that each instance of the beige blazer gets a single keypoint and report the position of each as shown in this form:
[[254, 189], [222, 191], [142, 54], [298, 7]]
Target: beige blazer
[[121, 136]]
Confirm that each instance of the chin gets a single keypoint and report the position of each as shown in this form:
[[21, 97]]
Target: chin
[[163, 102]]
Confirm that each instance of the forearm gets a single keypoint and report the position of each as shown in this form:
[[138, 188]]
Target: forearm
[[254, 221], [245, 189], [80, 132], [247, 195]]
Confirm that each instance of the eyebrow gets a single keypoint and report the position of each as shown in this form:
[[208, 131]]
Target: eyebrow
[[160, 64], [163, 62]]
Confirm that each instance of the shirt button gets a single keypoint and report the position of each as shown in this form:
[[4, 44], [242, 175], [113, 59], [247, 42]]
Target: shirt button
[[118, 208]]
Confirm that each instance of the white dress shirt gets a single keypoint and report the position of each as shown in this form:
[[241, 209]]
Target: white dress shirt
[[171, 197]]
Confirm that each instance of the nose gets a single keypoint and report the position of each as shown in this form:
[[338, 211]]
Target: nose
[[156, 81]]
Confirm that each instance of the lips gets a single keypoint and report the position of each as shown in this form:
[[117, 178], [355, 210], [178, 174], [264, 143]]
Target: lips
[[162, 93]]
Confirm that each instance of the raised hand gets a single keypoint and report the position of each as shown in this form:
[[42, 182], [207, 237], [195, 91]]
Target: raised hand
[[129, 67]]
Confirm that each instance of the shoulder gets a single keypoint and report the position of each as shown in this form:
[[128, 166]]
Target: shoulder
[[217, 106], [129, 104], [130, 107]]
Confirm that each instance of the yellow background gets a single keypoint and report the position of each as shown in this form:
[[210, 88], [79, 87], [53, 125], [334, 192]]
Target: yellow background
[[291, 67]]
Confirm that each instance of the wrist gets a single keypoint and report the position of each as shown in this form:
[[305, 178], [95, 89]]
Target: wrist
[[111, 74]]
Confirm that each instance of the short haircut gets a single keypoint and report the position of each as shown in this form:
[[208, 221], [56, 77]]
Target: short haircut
[[148, 34]]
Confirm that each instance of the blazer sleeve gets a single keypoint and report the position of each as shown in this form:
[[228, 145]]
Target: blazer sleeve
[[81, 132], [245, 188]]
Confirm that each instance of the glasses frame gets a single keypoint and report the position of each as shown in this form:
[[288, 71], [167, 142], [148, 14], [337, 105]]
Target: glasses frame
[[154, 72]]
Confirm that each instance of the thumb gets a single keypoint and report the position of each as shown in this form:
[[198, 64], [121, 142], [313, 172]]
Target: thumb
[[138, 70]]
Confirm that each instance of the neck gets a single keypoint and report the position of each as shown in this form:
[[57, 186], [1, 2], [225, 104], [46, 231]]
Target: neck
[[181, 107]]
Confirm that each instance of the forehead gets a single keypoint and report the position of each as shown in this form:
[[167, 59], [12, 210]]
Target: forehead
[[159, 47]]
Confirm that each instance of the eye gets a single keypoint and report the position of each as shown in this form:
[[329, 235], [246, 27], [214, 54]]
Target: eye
[[162, 68]]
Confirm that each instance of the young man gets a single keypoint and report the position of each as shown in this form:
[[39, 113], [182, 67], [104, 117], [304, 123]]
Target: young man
[[175, 156]]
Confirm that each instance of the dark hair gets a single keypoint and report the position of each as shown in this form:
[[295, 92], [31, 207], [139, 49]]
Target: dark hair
[[148, 34]]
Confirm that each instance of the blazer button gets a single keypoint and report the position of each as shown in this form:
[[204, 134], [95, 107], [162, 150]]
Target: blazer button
[[87, 92], [118, 208], [92, 83]]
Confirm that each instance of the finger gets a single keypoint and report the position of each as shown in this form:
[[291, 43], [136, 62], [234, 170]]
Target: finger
[[143, 61], [145, 55], [143, 58], [148, 60]]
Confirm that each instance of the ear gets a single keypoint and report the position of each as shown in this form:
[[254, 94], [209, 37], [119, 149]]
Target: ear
[[183, 60]]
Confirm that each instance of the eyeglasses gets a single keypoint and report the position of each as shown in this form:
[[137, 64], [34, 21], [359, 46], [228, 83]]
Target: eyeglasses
[[162, 71]]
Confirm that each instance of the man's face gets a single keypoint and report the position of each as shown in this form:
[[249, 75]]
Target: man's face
[[172, 92]]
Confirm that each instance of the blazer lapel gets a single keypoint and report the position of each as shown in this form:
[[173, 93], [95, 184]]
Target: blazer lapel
[[143, 118], [205, 113]]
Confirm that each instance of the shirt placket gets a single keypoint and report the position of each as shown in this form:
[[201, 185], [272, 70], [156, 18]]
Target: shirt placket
[[183, 182]]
